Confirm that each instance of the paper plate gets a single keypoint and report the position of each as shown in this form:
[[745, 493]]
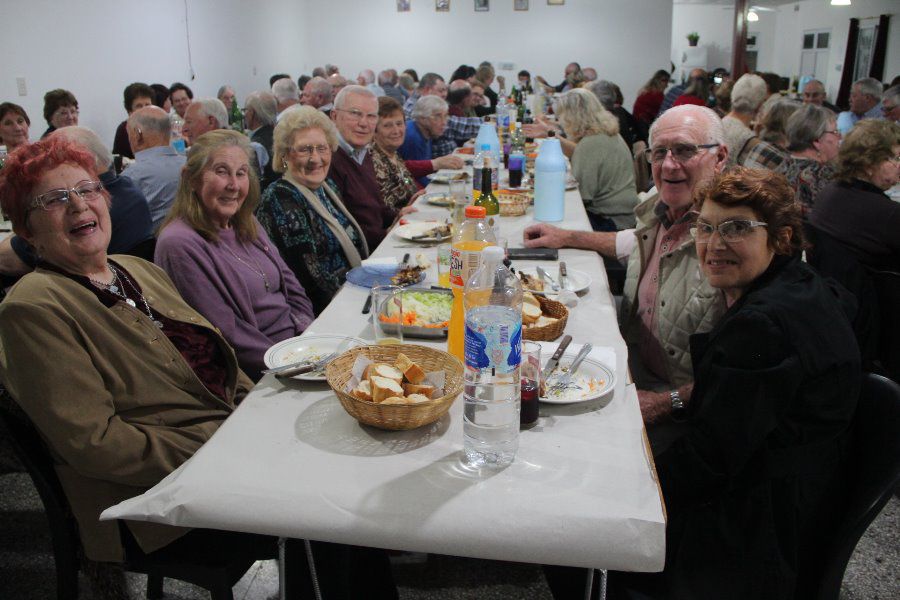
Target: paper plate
[[308, 347], [593, 380]]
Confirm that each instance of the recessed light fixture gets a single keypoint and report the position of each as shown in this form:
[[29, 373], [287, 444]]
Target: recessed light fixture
[[752, 16], [840, 2]]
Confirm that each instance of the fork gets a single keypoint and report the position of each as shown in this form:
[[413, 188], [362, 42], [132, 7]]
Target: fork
[[300, 367], [566, 380], [545, 275]]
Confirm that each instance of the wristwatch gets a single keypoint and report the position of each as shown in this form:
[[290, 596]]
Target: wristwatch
[[679, 413]]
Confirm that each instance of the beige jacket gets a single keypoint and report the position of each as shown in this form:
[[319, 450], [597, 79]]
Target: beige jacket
[[116, 402], [686, 304]]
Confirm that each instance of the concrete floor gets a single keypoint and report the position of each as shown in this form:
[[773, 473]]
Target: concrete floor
[[27, 568]]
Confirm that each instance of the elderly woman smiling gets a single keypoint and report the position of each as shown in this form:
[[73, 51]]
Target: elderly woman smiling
[[60, 110], [124, 380], [219, 257], [303, 214], [813, 144], [14, 123], [754, 485]]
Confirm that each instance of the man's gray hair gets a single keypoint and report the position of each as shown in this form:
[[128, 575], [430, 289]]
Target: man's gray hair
[[320, 86], [91, 141], [869, 86], [748, 94], [331, 70], [707, 120], [387, 77], [807, 125], [429, 80], [213, 107], [285, 90], [153, 122], [814, 81], [352, 89], [263, 105], [892, 94], [368, 75], [605, 92], [428, 106], [222, 91]]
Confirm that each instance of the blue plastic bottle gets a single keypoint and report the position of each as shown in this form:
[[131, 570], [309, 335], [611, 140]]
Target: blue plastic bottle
[[549, 181], [487, 134]]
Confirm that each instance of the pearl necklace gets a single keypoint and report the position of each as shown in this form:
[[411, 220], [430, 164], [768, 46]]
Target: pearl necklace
[[113, 288]]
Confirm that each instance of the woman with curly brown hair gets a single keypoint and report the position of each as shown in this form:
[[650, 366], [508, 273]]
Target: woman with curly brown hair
[[854, 209]]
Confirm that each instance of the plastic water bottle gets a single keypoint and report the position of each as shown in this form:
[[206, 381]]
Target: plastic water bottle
[[465, 257], [549, 181], [487, 134], [177, 140], [493, 353]]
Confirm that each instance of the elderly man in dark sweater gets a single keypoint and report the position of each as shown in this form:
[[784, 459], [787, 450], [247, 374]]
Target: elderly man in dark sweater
[[355, 114]]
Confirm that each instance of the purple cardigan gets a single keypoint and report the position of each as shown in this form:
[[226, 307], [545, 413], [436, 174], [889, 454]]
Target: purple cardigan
[[231, 294]]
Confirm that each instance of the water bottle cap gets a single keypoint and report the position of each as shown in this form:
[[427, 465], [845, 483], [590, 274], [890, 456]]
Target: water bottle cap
[[475, 212], [493, 254], [485, 146]]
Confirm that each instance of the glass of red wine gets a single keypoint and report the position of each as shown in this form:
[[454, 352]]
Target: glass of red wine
[[531, 384]]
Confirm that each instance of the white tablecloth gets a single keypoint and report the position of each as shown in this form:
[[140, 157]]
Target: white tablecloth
[[290, 462]]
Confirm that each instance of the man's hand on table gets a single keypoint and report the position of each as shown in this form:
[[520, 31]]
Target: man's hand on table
[[450, 161], [541, 235]]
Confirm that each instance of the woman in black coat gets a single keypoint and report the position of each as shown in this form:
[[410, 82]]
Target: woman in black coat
[[754, 487]]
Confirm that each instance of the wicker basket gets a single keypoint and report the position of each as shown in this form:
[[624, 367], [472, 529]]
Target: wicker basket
[[396, 416], [547, 333]]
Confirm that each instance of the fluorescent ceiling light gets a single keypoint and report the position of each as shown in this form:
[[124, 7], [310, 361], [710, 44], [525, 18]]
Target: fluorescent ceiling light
[[840, 2], [752, 16]]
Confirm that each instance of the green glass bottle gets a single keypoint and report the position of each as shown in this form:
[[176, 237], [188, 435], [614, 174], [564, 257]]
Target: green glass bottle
[[487, 199]]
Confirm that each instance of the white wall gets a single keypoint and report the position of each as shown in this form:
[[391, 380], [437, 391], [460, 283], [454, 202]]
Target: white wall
[[714, 23], [816, 14], [625, 40], [94, 48]]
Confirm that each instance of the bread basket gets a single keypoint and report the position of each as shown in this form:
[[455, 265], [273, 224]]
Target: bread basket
[[547, 333], [396, 416], [512, 204]]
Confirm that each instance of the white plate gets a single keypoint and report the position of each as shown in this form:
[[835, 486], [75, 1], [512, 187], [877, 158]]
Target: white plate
[[445, 175], [439, 199], [578, 281], [409, 232], [590, 370], [308, 347]]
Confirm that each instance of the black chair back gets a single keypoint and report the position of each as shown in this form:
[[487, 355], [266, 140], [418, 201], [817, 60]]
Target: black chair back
[[875, 469], [887, 291]]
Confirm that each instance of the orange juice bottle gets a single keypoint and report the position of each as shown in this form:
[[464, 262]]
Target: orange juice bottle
[[465, 258]]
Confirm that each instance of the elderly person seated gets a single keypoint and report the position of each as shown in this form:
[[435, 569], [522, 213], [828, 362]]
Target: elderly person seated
[[460, 101], [890, 104], [770, 149], [429, 120], [141, 380], [286, 93], [161, 96], [303, 213], [208, 114], [260, 109], [14, 124], [136, 95], [865, 103], [601, 162], [60, 110], [758, 480], [318, 93], [221, 260], [854, 208], [181, 96], [747, 96], [813, 144], [395, 176], [650, 98], [697, 92], [389, 82], [610, 96]]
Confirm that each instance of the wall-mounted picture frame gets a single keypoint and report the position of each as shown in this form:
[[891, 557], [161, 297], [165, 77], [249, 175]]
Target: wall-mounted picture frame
[[520, 4], [402, 5], [482, 5], [556, 2], [442, 5]]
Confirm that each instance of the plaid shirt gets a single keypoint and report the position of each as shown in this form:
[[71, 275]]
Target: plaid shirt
[[764, 156], [459, 129]]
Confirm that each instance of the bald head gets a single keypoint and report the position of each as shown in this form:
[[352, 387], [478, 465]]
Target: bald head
[[148, 127], [338, 82]]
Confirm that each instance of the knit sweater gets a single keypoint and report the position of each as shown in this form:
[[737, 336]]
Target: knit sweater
[[603, 167], [361, 195]]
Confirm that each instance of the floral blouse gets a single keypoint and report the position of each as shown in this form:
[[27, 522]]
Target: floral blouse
[[396, 182], [807, 177]]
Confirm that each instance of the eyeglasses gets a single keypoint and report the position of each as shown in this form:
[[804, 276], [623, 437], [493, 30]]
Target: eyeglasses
[[358, 115], [66, 112], [57, 199], [307, 151], [681, 153], [731, 232], [836, 132]]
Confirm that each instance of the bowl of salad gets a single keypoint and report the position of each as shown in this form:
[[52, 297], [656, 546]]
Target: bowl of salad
[[426, 313]]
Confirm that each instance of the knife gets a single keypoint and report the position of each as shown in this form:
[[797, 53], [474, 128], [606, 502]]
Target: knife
[[405, 262], [554, 360], [368, 305], [298, 368], [563, 275]]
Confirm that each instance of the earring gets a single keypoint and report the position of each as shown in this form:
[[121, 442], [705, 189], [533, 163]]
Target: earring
[[284, 164]]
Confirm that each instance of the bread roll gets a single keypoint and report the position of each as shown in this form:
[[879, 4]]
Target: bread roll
[[414, 398], [383, 388], [529, 298], [363, 391], [530, 313], [411, 371], [415, 388], [396, 400], [383, 370]]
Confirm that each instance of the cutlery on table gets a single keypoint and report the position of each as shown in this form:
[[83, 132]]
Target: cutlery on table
[[563, 275], [554, 360], [368, 305], [566, 380], [298, 368], [546, 277]]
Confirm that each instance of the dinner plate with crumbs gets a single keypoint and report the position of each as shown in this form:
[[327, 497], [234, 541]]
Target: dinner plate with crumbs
[[445, 175], [592, 380], [309, 348], [576, 281], [439, 199], [423, 231]]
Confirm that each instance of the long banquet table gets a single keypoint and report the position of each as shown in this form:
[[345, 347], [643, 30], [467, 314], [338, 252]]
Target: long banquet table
[[291, 462]]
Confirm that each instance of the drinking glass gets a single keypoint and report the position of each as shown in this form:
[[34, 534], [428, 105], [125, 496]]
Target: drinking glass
[[459, 198], [443, 265], [531, 384], [387, 314]]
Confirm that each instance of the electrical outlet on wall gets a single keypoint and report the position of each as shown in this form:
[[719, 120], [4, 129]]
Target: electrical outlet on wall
[[20, 83], [505, 66]]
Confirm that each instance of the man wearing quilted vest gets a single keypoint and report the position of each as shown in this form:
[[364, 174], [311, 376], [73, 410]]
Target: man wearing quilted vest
[[666, 298]]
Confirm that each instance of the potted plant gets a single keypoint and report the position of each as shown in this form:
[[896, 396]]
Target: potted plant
[[693, 37]]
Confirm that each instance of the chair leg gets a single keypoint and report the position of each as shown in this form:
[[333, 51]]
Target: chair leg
[[222, 591], [154, 585]]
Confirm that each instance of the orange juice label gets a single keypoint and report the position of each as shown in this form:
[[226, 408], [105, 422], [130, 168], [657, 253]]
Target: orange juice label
[[463, 263]]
